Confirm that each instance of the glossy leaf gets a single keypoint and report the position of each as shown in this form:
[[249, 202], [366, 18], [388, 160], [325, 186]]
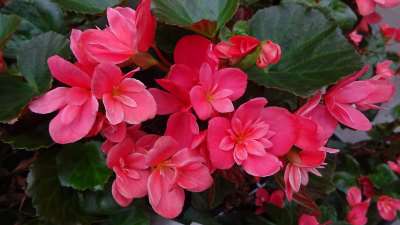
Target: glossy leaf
[[32, 59], [55, 203], [314, 51], [44, 14], [203, 16], [82, 166], [14, 95], [8, 25], [87, 6], [383, 176]]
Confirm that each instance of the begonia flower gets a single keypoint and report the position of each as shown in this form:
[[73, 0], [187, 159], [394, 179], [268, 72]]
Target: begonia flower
[[236, 47], [355, 37], [125, 99], [348, 95], [270, 54], [367, 186], [252, 138], [175, 166], [388, 207], [358, 208], [390, 32], [216, 90], [128, 33], [366, 7], [306, 219], [76, 105]]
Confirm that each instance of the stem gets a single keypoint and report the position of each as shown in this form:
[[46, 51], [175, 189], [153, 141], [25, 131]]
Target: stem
[[161, 56]]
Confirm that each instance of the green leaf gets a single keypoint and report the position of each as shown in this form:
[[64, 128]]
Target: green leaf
[[44, 14], [203, 16], [86, 6], [14, 95], [32, 59], [314, 51], [8, 25], [57, 204], [97, 203], [202, 217], [82, 166], [344, 180], [27, 134], [383, 176], [132, 216]]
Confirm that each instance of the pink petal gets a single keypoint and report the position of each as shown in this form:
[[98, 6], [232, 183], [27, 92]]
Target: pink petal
[[163, 148], [193, 51], [132, 188], [146, 107], [326, 123], [146, 25], [121, 28], [232, 79], [166, 103], [365, 7], [168, 202], [255, 148], [183, 76], [106, 76], [353, 196], [284, 125], [69, 113], [348, 116], [183, 128], [308, 220], [194, 179], [114, 133], [307, 137], [262, 166], [78, 49], [250, 110], [68, 133], [277, 198], [310, 105], [295, 178], [114, 109], [126, 100], [200, 103], [119, 151], [120, 199], [50, 101], [131, 85], [353, 92], [223, 105], [312, 158], [217, 130], [68, 73]]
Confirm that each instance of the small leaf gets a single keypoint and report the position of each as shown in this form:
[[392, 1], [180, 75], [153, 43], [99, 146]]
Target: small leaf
[[383, 176], [82, 166], [14, 95], [203, 16], [8, 25], [57, 204], [32, 59], [86, 6], [314, 51], [44, 14]]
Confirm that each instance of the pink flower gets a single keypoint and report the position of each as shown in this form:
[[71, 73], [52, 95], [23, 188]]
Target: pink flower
[[252, 138], [128, 163], [355, 37], [383, 70], [366, 7], [77, 106], [270, 54], [125, 99], [190, 53], [358, 208], [388, 207], [216, 90], [129, 32], [395, 166], [367, 186], [308, 220], [348, 95], [236, 47], [79, 50], [175, 166], [277, 198], [363, 25]]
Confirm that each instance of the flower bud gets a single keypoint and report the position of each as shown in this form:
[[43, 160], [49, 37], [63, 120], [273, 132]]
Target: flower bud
[[270, 54]]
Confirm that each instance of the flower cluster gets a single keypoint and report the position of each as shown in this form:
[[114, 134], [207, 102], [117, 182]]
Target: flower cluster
[[262, 140]]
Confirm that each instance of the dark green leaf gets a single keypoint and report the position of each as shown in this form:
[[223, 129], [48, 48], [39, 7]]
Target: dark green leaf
[[8, 25], [86, 6], [42, 13], [132, 216], [383, 176], [14, 95], [202, 217], [314, 51], [32, 59], [28, 134], [82, 166], [203, 16], [53, 202], [344, 180], [98, 202]]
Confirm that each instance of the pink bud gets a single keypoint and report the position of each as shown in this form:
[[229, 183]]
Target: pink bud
[[270, 54]]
